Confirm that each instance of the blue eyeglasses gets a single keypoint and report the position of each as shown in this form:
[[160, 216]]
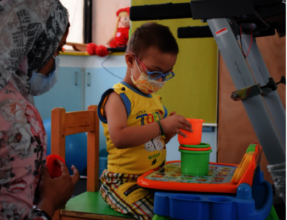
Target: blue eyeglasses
[[154, 75]]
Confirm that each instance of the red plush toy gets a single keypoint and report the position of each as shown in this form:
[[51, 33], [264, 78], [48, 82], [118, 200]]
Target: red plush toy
[[121, 35], [53, 166], [91, 48], [100, 50]]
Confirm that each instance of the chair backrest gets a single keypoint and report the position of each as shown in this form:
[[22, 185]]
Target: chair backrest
[[63, 124]]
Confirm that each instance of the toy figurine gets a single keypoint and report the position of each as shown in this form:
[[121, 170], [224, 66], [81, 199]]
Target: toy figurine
[[121, 34]]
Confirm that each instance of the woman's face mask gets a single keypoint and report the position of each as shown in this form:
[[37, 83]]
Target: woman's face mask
[[41, 83], [146, 85]]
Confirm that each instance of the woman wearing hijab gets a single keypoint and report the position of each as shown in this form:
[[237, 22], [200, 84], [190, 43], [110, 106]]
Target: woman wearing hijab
[[32, 33]]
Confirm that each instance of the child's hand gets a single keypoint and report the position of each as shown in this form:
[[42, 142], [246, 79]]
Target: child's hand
[[173, 123]]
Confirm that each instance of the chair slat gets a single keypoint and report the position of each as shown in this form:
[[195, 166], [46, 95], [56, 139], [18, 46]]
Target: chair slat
[[77, 122]]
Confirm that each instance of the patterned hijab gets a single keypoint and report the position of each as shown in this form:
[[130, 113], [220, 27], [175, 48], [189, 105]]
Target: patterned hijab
[[31, 31]]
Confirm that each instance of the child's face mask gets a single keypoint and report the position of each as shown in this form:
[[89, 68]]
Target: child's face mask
[[146, 85]]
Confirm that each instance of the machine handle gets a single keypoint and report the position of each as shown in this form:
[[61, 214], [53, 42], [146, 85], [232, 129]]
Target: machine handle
[[194, 32], [76, 78], [161, 11], [88, 79]]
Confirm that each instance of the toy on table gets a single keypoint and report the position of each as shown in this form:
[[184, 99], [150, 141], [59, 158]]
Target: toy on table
[[194, 154], [218, 179], [228, 192], [195, 159], [249, 203], [246, 160], [121, 35], [53, 166], [194, 137]]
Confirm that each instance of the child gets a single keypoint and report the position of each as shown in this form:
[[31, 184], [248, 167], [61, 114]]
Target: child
[[135, 122]]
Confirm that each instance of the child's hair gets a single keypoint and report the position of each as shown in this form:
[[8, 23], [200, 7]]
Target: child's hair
[[150, 35]]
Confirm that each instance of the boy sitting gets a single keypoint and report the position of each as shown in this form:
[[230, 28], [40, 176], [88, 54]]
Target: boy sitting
[[135, 122]]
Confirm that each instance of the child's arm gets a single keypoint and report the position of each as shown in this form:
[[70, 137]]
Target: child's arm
[[169, 136], [126, 137]]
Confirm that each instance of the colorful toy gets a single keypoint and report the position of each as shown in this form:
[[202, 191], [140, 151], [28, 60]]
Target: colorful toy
[[249, 203], [195, 161], [53, 166], [121, 34], [249, 198], [194, 137], [217, 180]]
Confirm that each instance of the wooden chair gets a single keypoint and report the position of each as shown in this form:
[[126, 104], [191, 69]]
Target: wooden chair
[[90, 204]]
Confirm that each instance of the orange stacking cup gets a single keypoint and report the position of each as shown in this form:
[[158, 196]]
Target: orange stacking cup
[[193, 138]]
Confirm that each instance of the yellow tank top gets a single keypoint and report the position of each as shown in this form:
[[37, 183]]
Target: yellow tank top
[[141, 109]]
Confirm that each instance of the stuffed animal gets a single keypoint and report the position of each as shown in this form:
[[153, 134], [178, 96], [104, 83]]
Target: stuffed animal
[[121, 34], [100, 50]]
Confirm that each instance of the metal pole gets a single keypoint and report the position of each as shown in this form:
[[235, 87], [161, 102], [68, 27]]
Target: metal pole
[[261, 75], [242, 78]]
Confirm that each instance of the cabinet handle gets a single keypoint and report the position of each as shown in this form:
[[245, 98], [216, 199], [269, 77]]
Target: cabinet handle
[[89, 79], [76, 78]]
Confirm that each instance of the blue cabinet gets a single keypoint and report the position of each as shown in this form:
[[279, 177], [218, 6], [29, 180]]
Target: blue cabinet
[[99, 80], [82, 80]]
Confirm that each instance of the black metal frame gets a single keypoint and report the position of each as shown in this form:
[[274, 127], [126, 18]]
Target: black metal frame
[[88, 16]]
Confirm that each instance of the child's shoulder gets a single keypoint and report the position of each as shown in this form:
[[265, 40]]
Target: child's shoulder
[[120, 87]]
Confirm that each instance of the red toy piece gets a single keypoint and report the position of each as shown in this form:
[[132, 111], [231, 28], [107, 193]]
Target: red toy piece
[[102, 51], [91, 48], [53, 166]]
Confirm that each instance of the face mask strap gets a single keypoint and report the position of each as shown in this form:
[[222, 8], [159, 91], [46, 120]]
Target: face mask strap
[[138, 66]]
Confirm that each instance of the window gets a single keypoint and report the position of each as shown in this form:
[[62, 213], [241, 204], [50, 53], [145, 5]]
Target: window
[[76, 18], [97, 27]]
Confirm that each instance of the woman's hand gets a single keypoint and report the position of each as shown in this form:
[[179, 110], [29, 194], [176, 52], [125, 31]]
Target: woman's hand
[[54, 193]]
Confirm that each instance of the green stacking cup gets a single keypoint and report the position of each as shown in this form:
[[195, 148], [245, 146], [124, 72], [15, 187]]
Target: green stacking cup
[[195, 163]]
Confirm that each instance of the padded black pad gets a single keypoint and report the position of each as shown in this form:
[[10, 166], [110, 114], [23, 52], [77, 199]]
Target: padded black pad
[[162, 11], [206, 9]]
